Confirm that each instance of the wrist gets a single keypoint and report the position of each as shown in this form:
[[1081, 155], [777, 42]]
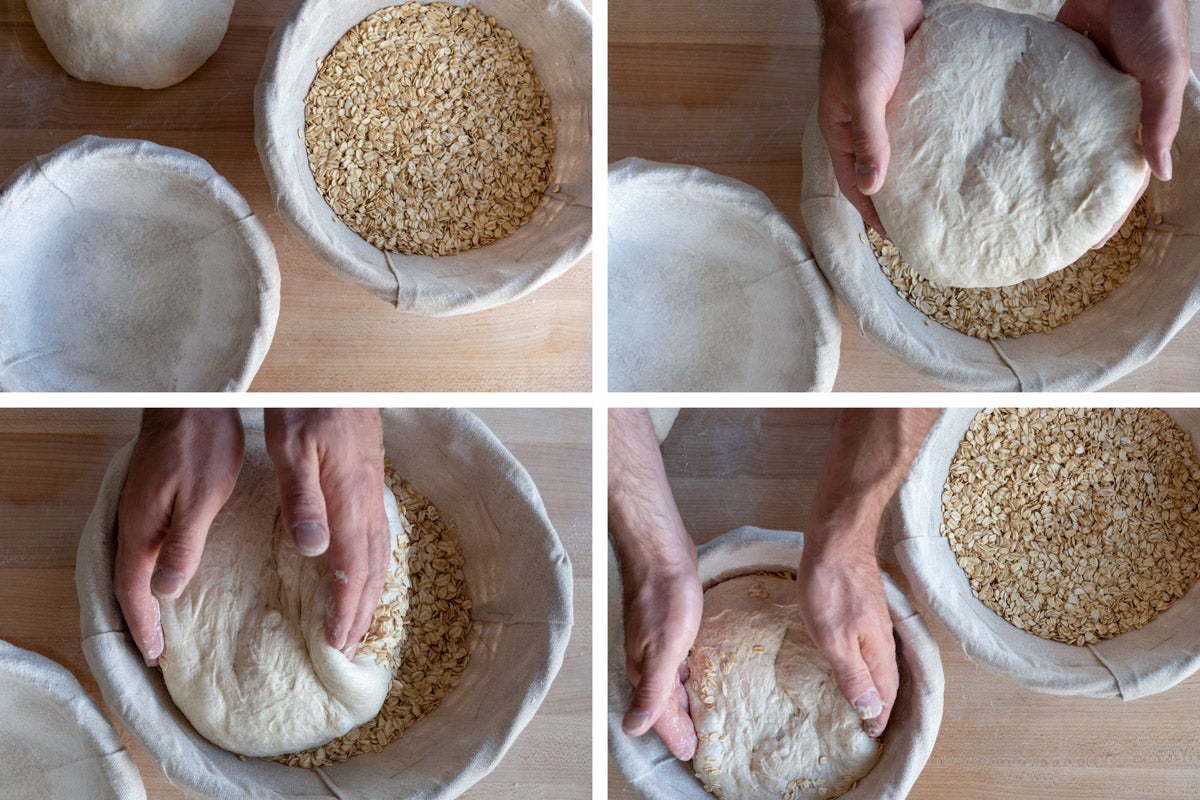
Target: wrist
[[166, 419]]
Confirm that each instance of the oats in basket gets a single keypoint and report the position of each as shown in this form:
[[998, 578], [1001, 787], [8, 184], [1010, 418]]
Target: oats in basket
[[1033, 306], [1075, 524], [424, 638], [428, 131]]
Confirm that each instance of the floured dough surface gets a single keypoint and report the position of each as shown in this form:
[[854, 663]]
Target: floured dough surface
[[770, 719], [1014, 148], [145, 43], [245, 655]]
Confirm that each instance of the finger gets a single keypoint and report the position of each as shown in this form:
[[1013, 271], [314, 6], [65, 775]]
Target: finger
[[180, 553], [675, 727], [652, 694], [347, 576], [302, 502], [879, 652], [1162, 108], [379, 552], [131, 585], [869, 137], [843, 169], [854, 679]]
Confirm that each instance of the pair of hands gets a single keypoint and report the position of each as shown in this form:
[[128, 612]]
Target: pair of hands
[[863, 55], [845, 613], [184, 467]]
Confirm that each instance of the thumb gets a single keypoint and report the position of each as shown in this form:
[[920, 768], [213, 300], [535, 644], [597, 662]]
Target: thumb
[[654, 691], [181, 550], [302, 504], [869, 136], [1162, 107], [854, 679]]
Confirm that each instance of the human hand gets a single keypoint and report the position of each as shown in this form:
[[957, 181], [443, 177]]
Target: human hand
[[184, 468], [662, 613], [1148, 40], [844, 608], [330, 468], [861, 59]]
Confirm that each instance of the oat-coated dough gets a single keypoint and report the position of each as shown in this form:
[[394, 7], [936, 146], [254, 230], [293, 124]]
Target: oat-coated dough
[[245, 654], [150, 44], [770, 718], [1014, 148]]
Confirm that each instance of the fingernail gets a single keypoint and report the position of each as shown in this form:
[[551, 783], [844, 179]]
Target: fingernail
[[335, 637], [154, 648], [310, 537], [349, 650], [867, 175], [869, 705], [1166, 164], [873, 728], [635, 721], [166, 583]]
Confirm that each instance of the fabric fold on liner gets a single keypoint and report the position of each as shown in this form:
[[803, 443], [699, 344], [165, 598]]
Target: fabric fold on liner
[[515, 565]]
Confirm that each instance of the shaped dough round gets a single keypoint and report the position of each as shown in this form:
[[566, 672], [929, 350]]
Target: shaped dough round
[[770, 718], [245, 655], [146, 43], [1014, 148]]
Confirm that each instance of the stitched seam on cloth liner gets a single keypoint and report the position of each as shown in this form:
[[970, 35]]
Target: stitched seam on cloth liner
[[1116, 678], [229, 224], [329, 784], [1021, 387], [387, 259], [30, 355], [58, 188]]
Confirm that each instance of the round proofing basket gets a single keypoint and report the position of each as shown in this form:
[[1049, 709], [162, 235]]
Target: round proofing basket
[[710, 288], [64, 746], [519, 580], [128, 266], [912, 729], [1128, 666], [1122, 332], [559, 32]]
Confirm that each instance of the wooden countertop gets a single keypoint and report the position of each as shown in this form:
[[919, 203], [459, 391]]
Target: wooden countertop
[[332, 335], [53, 464], [729, 86], [998, 740]]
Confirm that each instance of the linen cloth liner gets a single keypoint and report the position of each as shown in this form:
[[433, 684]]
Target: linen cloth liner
[[912, 729], [1129, 666], [790, 319], [129, 266], [69, 738], [559, 32], [1113, 337], [519, 580]]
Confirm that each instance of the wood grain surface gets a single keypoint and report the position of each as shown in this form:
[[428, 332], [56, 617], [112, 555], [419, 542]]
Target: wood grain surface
[[998, 740], [728, 86], [52, 467], [332, 335]]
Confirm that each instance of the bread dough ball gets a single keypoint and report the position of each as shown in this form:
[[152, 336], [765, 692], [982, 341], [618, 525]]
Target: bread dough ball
[[245, 656], [146, 43], [1046, 9], [770, 718], [1014, 148]]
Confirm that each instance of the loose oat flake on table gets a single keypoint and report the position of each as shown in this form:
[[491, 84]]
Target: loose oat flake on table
[[428, 131], [1034, 306], [1076, 525], [423, 639]]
